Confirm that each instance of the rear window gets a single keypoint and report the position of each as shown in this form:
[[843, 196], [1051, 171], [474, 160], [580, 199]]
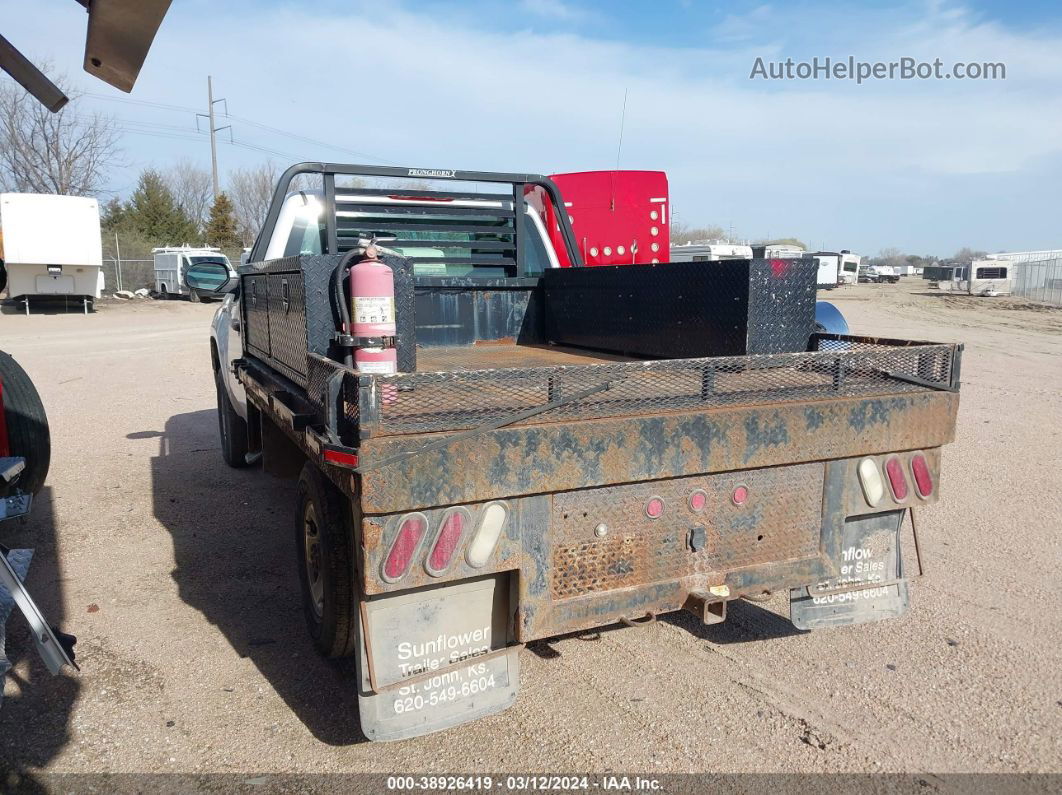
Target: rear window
[[462, 241]]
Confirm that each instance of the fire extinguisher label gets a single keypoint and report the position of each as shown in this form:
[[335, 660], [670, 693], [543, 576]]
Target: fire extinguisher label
[[374, 310], [377, 368]]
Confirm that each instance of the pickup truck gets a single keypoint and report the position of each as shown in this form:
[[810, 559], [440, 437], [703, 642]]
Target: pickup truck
[[560, 448], [878, 274]]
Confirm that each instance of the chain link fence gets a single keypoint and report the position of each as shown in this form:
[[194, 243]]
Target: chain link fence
[[1040, 280], [127, 274]]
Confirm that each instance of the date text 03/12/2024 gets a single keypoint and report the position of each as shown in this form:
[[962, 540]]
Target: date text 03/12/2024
[[524, 783]]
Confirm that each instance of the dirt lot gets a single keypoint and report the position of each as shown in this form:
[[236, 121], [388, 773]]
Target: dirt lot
[[177, 575]]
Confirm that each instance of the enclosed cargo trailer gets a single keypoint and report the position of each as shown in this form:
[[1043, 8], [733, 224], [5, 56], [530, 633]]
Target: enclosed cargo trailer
[[51, 246]]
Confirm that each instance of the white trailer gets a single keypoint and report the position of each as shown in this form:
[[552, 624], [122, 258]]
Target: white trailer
[[837, 267], [50, 246], [171, 263], [988, 277], [710, 251]]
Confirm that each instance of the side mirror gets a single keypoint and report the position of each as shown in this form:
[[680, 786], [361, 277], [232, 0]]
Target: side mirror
[[209, 277]]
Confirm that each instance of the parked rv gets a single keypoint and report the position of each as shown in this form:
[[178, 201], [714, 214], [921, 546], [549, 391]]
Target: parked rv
[[837, 267], [709, 251], [172, 263], [988, 277], [50, 247]]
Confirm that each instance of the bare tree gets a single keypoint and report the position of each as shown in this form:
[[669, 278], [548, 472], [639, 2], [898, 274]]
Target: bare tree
[[193, 189], [683, 233], [250, 190], [69, 152]]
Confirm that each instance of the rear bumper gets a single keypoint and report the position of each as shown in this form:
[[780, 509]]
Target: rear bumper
[[591, 557]]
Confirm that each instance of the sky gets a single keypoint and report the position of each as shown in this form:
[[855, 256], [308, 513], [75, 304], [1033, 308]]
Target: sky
[[927, 166]]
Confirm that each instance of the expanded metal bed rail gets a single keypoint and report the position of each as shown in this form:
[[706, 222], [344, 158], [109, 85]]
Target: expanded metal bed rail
[[837, 366]]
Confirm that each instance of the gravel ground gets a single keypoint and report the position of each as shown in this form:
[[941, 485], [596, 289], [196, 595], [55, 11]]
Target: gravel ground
[[177, 575]]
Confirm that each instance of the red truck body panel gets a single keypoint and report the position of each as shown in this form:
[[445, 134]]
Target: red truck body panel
[[619, 217]]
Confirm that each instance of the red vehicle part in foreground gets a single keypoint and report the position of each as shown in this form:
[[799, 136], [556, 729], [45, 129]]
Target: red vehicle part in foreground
[[619, 217]]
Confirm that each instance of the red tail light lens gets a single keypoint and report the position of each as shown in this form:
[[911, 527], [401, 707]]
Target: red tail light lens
[[698, 500], [741, 493], [923, 478], [450, 532], [654, 509], [897, 481], [410, 532]]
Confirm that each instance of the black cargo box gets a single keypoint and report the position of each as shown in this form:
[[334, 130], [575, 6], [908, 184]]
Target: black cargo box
[[289, 312], [683, 309]]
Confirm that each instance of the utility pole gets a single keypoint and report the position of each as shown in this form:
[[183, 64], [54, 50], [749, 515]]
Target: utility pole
[[209, 115]]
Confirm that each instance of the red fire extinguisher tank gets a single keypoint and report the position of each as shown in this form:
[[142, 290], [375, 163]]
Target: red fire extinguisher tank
[[372, 304]]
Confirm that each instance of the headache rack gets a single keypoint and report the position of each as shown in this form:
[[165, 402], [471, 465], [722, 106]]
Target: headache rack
[[355, 406], [465, 228]]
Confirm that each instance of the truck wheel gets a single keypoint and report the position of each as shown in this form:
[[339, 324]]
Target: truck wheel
[[231, 426], [27, 424], [324, 541]]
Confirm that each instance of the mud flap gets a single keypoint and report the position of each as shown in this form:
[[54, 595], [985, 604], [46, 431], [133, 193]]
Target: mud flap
[[435, 657], [870, 586]]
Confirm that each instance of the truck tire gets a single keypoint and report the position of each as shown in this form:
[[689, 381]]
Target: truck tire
[[27, 424], [231, 427], [324, 542]]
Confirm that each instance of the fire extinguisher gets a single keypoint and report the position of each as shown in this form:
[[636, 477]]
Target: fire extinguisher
[[372, 303]]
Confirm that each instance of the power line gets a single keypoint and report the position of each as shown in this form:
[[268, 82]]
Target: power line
[[244, 120]]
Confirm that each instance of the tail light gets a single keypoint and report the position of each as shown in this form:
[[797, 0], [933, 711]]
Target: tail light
[[654, 509], [923, 478], [871, 482], [411, 531], [450, 531], [698, 500], [897, 481], [488, 531], [740, 495]]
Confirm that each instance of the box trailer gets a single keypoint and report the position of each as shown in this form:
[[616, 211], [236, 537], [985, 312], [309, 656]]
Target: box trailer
[[715, 251], [50, 246]]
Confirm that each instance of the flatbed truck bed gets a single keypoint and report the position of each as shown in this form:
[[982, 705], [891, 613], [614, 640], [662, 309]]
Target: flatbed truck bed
[[517, 487]]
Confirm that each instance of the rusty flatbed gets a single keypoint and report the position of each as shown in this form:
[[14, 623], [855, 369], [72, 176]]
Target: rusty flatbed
[[464, 358]]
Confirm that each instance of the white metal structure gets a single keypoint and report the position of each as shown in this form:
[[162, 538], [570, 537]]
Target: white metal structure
[[170, 264], [1027, 256], [51, 246], [709, 251]]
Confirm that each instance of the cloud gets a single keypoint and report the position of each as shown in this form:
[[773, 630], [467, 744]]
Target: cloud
[[845, 165], [552, 9]]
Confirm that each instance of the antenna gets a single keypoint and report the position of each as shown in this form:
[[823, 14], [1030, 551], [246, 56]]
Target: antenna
[[623, 118]]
